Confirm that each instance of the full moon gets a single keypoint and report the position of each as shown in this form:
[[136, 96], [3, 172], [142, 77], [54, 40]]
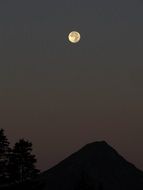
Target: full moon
[[74, 37]]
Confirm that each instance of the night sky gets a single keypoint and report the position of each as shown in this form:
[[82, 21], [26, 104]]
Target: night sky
[[61, 95]]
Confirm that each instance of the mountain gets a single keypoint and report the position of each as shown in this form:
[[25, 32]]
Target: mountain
[[97, 166]]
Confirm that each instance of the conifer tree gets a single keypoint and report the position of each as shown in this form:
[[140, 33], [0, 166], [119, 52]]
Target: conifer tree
[[22, 162], [4, 157]]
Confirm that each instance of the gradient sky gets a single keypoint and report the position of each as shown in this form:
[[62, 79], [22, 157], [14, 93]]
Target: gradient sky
[[61, 95]]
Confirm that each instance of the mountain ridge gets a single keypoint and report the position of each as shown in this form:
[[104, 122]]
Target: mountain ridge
[[97, 161], [92, 147]]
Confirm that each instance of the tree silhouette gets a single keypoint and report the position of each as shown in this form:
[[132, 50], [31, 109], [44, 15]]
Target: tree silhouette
[[22, 162], [4, 157]]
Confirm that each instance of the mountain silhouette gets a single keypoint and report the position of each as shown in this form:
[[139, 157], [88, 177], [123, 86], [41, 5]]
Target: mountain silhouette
[[96, 166]]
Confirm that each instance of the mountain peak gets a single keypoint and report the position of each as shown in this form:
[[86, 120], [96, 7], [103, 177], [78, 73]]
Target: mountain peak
[[98, 147], [97, 143]]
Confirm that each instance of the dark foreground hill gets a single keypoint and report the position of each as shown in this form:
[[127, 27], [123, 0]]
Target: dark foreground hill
[[96, 166]]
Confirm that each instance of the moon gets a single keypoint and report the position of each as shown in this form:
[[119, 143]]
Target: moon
[[74, 37]]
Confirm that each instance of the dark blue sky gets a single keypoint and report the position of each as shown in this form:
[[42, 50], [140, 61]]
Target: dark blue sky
[[61, 95]]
